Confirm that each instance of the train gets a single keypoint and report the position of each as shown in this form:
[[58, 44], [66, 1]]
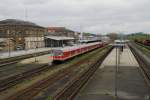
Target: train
[[64, 53], [145, 42]]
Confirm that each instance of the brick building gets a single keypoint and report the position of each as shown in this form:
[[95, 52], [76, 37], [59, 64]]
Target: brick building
[[62, 31], [17, 34], [59, 36]]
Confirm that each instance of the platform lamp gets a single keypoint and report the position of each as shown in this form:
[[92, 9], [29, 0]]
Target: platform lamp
[[45, 40], [118, 48], [116, 67]]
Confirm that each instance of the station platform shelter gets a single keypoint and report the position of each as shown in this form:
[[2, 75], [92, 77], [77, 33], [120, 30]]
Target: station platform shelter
[[58, 41]]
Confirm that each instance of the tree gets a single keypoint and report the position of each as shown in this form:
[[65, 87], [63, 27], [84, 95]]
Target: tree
[[112, 36]]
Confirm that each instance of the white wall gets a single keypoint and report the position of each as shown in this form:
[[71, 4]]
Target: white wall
[[33, 42]]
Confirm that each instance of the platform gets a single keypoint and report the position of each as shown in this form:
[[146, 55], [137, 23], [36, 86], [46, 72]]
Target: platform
[[22, 52], [130, 82]]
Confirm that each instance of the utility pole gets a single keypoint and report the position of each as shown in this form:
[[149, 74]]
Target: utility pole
[[116, 67], [36, 44], [8, 34], [26, 32]]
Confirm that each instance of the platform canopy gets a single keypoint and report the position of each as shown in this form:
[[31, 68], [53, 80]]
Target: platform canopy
[[60, 38]]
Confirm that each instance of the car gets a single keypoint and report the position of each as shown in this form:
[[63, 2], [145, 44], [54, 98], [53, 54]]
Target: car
[[19, 48]]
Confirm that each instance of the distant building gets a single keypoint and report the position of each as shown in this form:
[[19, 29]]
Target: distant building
[[62, 31], [60, 36], [105, 38], [88, 37], [17, 34]]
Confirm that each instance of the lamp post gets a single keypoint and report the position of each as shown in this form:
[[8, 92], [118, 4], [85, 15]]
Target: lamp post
[[116, 67]]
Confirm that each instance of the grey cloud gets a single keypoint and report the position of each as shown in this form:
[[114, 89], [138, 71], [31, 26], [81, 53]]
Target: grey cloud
[[34, 2], [96, 16]]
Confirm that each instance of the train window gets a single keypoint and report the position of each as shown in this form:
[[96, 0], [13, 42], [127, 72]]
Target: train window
[[57, 53]]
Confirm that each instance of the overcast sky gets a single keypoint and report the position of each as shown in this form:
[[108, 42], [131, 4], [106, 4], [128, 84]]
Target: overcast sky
[[97, 16]]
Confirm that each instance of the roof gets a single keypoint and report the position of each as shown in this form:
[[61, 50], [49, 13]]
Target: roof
[[89, 40], [59, 29], [119, 41], [56, 28], [17, 22], [59, 38]]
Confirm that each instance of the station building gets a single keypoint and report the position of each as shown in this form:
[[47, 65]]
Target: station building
[[60, 36], [20, 35]]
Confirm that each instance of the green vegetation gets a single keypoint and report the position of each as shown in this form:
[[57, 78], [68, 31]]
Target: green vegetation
[[49, 98], [145, 46], [138, 36], [87, 33], [143, 49], [113, 36]]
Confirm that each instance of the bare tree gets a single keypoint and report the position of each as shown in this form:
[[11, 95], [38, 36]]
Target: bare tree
[[112, 36]]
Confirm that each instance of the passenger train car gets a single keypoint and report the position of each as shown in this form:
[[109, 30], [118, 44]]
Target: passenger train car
[[64, 53]]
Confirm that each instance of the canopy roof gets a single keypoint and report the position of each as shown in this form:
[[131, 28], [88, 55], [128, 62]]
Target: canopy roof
[[60, 38]]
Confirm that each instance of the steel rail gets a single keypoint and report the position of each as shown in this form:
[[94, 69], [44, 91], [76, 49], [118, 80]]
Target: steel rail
[[143, 62], [70, 91]]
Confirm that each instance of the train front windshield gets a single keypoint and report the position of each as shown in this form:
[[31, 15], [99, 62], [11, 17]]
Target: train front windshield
[[57, 53]]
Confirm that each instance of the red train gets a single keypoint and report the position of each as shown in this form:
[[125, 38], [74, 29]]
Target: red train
[[146, 42], [62, 54]]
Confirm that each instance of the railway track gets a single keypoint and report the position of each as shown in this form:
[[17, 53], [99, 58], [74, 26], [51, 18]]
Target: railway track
[[34, 89], [143, 61], [8, 63], [11, 81], [70, 91], [145, 46], [15, 79]]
